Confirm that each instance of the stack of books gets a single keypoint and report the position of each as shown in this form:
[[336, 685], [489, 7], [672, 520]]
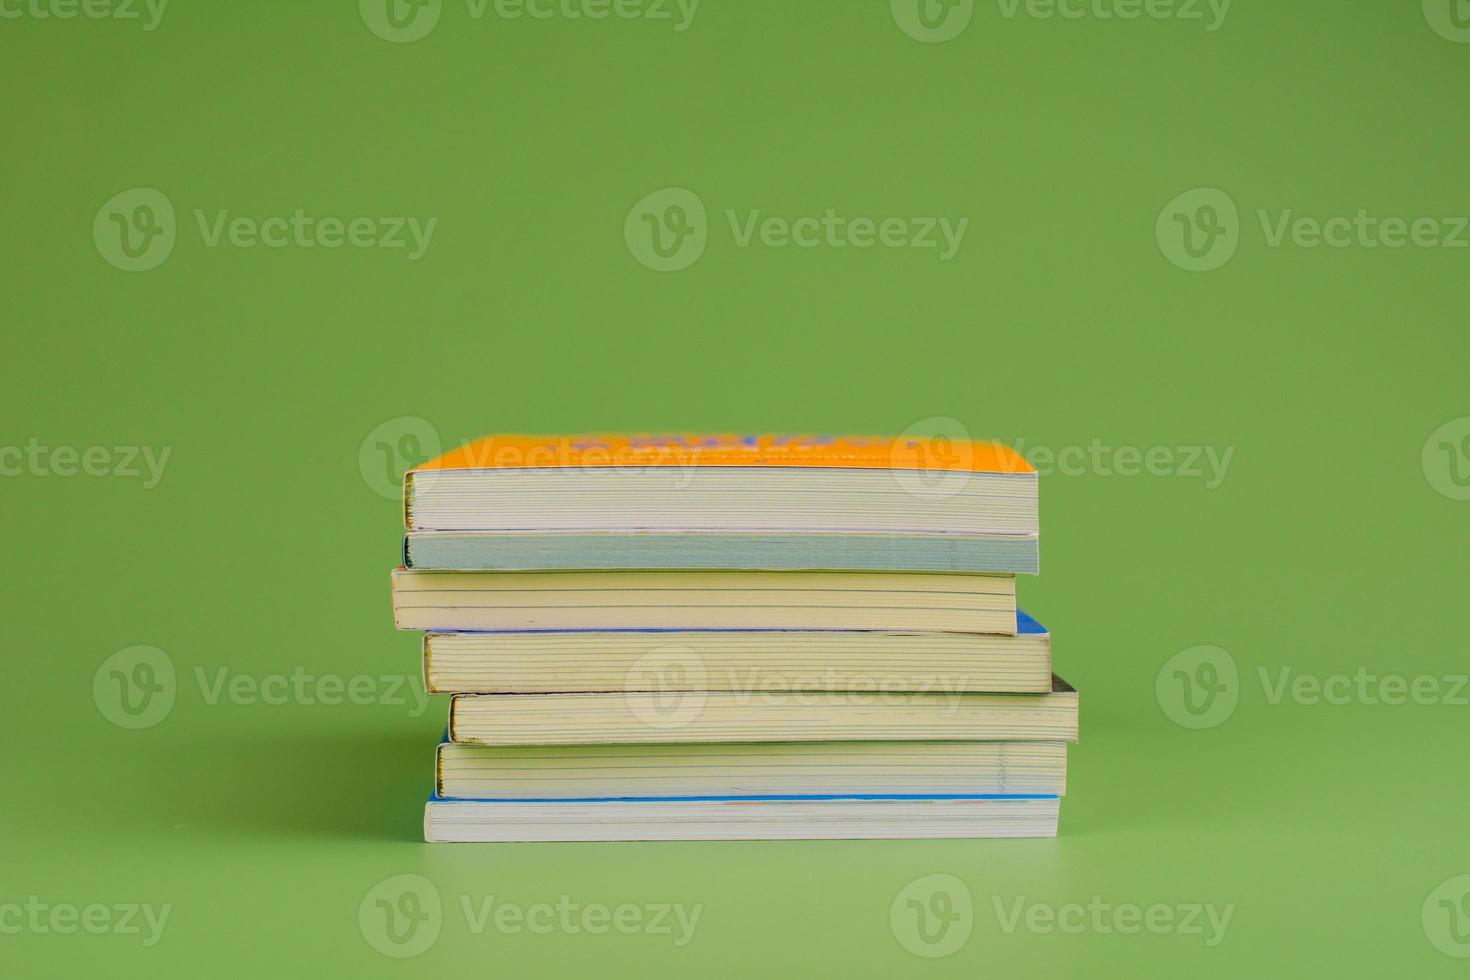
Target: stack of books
[[730, 637]]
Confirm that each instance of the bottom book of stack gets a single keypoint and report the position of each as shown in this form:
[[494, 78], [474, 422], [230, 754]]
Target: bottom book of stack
[[740, 818]]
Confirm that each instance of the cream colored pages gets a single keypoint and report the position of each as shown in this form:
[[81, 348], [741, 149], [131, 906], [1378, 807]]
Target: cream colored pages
[[696, 716], [703, 600]]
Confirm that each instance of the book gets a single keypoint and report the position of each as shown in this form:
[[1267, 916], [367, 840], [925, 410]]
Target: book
[[754, 483], [568, 661], [770, 716], [902, 601], [521, 550], [466, 821], [738, 770]]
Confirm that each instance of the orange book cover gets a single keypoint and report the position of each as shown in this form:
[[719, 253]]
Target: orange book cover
[[931, 453]]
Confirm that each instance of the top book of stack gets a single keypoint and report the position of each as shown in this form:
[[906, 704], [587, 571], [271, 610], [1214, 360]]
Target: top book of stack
[[758, 502]]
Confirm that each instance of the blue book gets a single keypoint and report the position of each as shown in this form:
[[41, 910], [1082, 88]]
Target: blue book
[[848, 818]]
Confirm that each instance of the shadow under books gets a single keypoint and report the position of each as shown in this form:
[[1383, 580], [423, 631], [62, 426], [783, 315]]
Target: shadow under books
[[344, 785]]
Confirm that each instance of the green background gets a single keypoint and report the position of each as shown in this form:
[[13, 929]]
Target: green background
[[264, 549]]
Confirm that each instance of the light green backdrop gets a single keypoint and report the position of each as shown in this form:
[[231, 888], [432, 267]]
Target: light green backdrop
[[1327, 540]]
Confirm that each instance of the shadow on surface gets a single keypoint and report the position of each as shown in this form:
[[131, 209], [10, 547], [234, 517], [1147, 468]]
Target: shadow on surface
[[332, 785]]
